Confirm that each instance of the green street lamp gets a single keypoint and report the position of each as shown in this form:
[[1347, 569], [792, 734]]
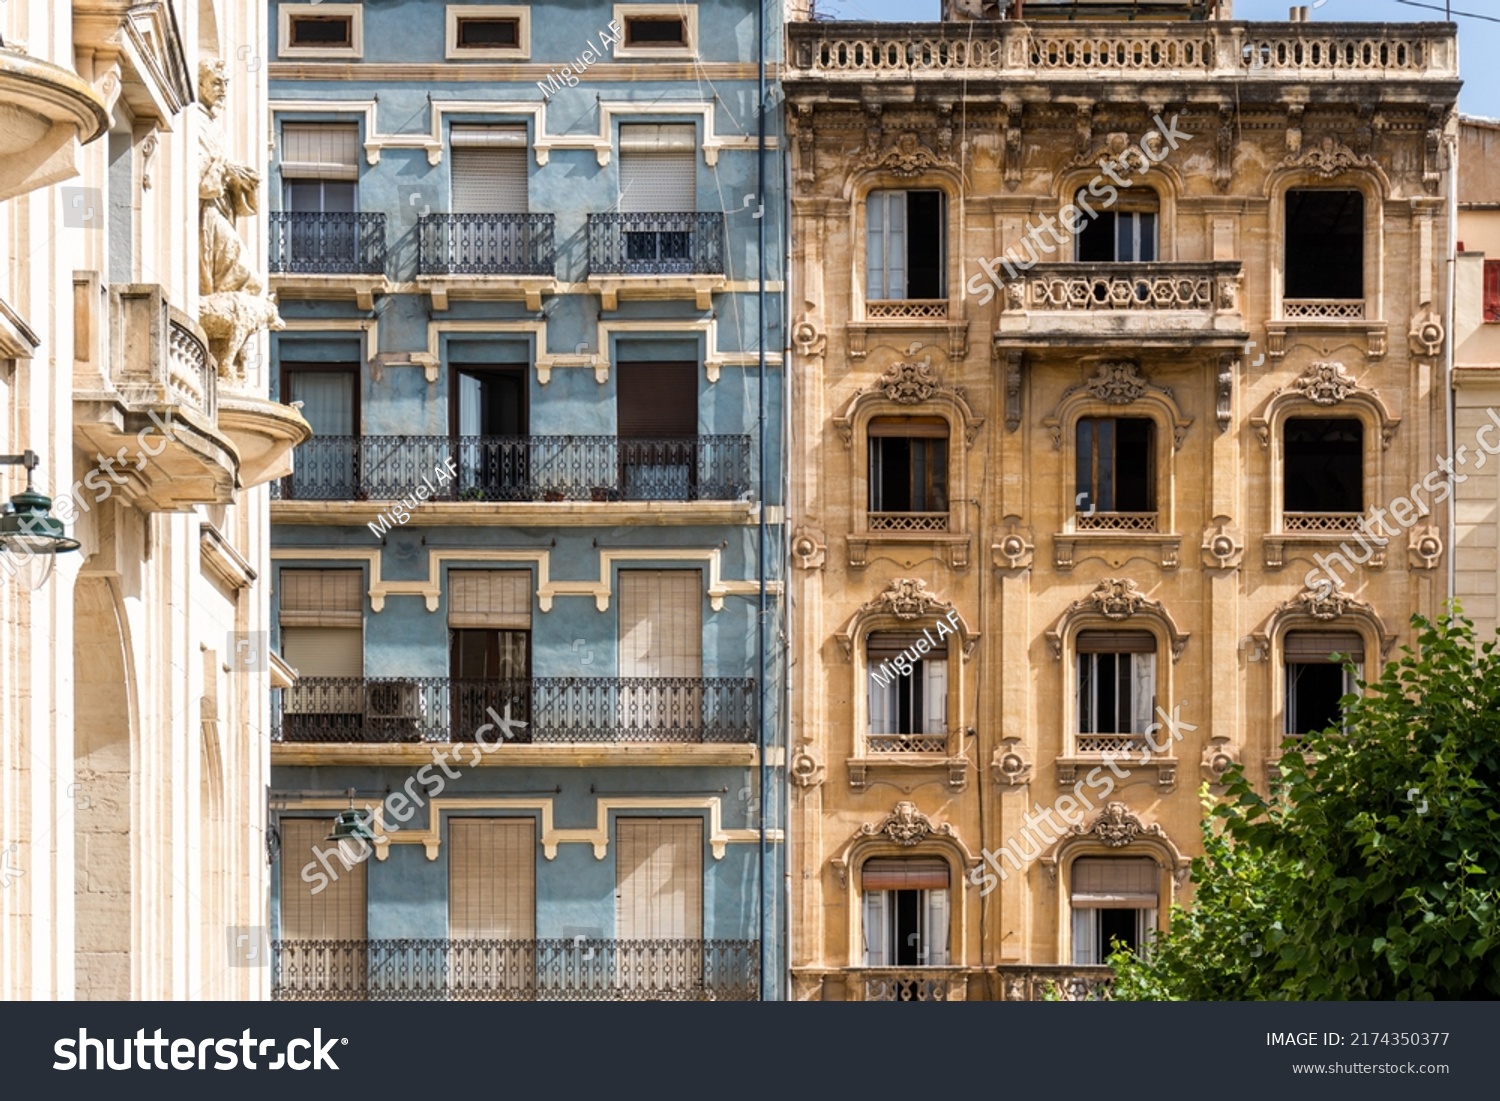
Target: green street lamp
[[27, 526], [350, 825]]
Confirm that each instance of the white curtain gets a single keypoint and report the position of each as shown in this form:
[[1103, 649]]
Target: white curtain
[[885, 244], [876, 929], [935, 938], [1085, 937], [935, 696], [1143, 693]]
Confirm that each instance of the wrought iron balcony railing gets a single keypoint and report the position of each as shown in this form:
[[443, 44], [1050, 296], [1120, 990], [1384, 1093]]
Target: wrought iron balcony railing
[[520, 468], [573, 969], [327, 244], [555, 710], [486, 244], [665, 243]]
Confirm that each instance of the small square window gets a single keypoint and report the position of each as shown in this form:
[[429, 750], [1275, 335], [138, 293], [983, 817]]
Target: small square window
[[322, 30], [658, 30], [478, 32], [488, 34], [655, 30]]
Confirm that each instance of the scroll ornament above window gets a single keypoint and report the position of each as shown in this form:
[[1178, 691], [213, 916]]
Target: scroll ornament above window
[[1117, 598], [1325, 385], [1118, 382]]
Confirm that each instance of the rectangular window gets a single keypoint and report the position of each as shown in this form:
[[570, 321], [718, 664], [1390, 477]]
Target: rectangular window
[[1116, 689], [322, 637], [327, 466], [659, 183], [656, 411], [492, 879], [1113, 900], [1315, 682], [908, 465], [905, 246], [489, 620], [661, 623], [1492, 290], [906, 910], [1116, 465], [1324, 465], [321, 30], [337, 912], [489, 424], [1325, 245], [1125, 233], [660, 30], [480, 31], [904, 705], [487, 169], [656, 30], [658, 882]]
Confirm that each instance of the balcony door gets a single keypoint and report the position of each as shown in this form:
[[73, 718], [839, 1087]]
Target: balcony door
[[489, 621], [659, 906], [327, 466], [657, 422], [659, 186], [492, 908], [320, 193], [488, 232], [661, 656], [322, 952], [489, 426], [322, 637]]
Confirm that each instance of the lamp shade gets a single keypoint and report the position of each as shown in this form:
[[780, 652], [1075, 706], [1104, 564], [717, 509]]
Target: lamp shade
[[30, 528]]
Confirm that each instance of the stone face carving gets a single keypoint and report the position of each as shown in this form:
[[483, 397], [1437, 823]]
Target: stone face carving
[[234, 304], [1328, 159], [905, 825], [906, 156], [1324, 602], [1117, 383], [907, 598], [909, 383], [1324, 384], [1116, 826], [1118, 598]]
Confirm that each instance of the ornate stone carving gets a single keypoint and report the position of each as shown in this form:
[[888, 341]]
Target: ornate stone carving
[[1223, 545], [807, 769], [1324, 384], [1012, 764], [1117, 383], [1427, 334], [1424, 547], [809, 548], [1329, 158], [801, 122], [1013, 136], [906, 156], [233, 305], [905, 825], [1016, 549], [1013, 362], [1224, 395], [808, 338], [907, 598], [1118, 598], [1117, 826], [1224, 145], [909, 383], [1323, 602], [1218, 757]]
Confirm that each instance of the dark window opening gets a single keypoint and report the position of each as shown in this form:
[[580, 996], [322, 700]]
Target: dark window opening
[[1315, 681], [905, 246], [1325, 244], [655, 31], [1125, 233], [1116, 681], [1492, 290], [490, 670], [657, 421], [1122, 926], [909, 465], [914, 701], [322, 30], [1115, 465], [1324, 465], [488, 34], [489, 425]]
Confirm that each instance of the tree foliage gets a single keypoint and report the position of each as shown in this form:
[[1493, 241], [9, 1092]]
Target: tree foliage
[[1372, 869]]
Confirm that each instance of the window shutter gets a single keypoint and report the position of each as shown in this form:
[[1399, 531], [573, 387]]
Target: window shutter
[[337, 912], [883, 702], [936, 941], [659, 876], [1143, 697], [661, 623], [319, 151], [658, 168], [898, 874], [1315, 647], [323, 651], [489, 169], [656, 400], [875, 932], [1492, 290], [1104, 883], [322, 598], [935, 696], [1115, 642], [885, 245], [492, 878], [498, 599], [910, 427]]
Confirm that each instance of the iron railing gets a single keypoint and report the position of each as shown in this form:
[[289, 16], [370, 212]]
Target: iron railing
[[663, 243], [486, 244], [327, 243], [679, 710], [572, 969], [519, 468]]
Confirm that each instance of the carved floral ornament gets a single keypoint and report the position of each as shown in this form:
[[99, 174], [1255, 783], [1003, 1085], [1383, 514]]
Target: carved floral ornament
[[905, 827], [1116, 599], [1329, 158], [1115, 383], [1322, 603], [908, 384], [906, 599], [1325, 385], [906, 156], [1118, 827]]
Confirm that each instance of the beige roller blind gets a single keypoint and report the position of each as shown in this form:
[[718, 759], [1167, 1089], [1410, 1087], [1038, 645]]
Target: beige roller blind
[[324, 651], [658, 169], [492, 878], [489, 170], [659, 870], [1317, 647], [319, 151], [322, 598], [1103, 883], [661, 623], [337, 912], [498, 599]]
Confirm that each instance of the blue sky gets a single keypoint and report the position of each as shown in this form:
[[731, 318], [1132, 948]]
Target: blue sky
[[1478, 39]]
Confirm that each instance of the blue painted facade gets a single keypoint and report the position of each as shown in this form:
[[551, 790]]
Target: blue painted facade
[[404, 94]]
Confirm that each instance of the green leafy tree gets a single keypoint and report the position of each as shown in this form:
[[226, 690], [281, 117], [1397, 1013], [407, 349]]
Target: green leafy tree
[[1372, 870]]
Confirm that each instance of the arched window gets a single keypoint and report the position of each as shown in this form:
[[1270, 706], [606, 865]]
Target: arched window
[[906, 912], [1115, 900], [1316, 681], [1116, 690]]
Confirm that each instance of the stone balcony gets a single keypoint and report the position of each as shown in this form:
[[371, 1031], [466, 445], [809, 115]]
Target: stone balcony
[[46, 112]]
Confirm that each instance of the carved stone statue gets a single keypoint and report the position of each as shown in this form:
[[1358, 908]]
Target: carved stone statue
[[233, 305]]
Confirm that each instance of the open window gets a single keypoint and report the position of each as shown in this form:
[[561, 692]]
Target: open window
[[1115, 484], [906, 912], [1325, 253], [489, 626], [908, 474], [1125, 233], [1116, 690], [1323, 464], [1316, 681], [1115, 902], [908, 694], [905, 246], [322, 637], [489, 427]]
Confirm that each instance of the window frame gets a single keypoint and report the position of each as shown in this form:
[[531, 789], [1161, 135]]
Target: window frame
[[1070, 911], [1132, 201], [458, 13], [287, 14], [918, 676], [864, 472], [1350, 680], [1288, 240], [625, 13], [1073, 703], [1371, 184], [945, 266]]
